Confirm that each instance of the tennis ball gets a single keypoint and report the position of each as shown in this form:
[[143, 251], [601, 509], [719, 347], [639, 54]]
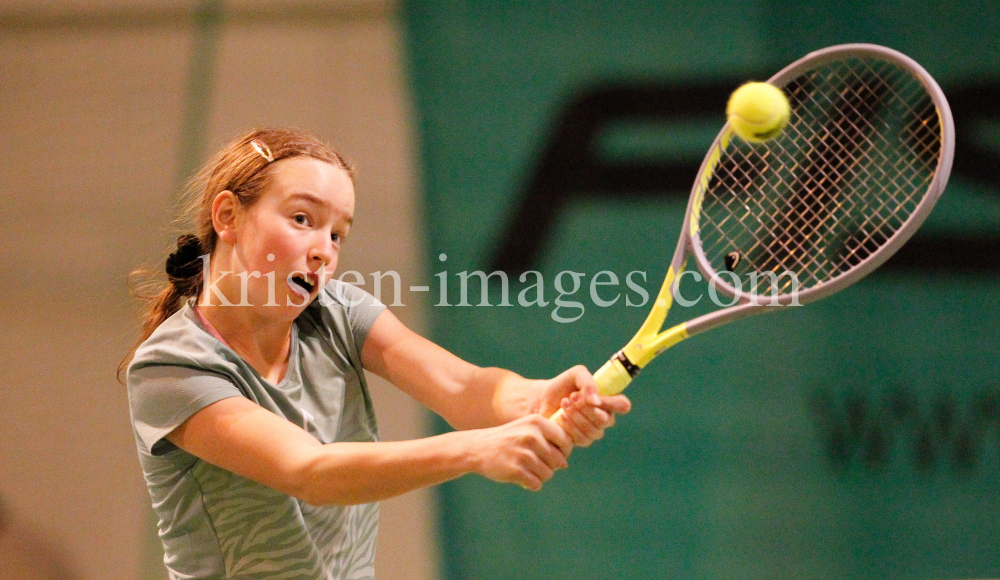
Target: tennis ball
[[758, 111]]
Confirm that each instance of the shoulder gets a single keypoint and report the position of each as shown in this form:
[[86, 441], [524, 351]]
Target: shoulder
[[181, 341], [177, 371], [337, 294], [344, 309]]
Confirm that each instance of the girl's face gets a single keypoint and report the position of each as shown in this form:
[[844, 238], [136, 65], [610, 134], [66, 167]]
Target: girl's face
[[292, 235]]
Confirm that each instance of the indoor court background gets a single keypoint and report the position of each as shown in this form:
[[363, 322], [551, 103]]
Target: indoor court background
[[855, 438]]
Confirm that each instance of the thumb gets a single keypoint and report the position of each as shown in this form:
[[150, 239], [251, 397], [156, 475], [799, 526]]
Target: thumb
[[574, 379]]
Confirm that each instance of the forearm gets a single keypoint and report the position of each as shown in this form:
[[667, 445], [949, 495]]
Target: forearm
[[526, 451], [487, 397], [353, 473], [511, 396], [240, 436], [465, 395], [468, 396]]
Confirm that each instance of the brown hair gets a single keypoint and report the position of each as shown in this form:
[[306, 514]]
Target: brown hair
[[242, 167]]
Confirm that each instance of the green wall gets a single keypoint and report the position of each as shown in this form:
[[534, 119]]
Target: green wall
[[858, 437]]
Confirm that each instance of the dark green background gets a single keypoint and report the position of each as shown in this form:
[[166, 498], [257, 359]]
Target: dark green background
[[723, 469]]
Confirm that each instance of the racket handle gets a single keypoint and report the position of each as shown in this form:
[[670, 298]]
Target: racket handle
[[612, 378]]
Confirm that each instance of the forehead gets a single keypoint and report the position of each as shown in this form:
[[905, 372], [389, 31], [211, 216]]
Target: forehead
[[293, 177]]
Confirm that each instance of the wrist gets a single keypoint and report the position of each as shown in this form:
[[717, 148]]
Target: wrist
[[462, 451], [522, 397]]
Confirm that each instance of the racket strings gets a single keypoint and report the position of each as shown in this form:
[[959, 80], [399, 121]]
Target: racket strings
[[852, 165]]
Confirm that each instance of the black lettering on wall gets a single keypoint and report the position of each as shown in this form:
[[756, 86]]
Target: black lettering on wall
[[571, 167], [860, 428]]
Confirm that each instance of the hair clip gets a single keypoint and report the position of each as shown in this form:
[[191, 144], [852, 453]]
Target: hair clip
[[263, 149]]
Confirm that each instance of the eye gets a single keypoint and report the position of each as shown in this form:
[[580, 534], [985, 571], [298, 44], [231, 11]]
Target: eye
[[301, 219], [337, 238]]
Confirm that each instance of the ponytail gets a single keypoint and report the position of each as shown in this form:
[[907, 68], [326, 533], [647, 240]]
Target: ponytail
[[184, 276]]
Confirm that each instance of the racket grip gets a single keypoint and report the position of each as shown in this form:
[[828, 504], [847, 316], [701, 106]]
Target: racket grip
[[612, 378]]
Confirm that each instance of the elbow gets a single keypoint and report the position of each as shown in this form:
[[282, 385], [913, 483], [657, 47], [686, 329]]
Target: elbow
[[300, 477], [308, 493], [308, 484], [321, 480]]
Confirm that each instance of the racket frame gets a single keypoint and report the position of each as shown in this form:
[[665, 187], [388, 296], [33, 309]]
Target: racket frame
[[617, 373]]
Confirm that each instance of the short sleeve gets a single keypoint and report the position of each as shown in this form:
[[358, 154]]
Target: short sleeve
[[161, 397], [361, 309]]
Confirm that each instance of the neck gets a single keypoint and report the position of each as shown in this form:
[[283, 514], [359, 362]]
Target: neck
[[263, 343]]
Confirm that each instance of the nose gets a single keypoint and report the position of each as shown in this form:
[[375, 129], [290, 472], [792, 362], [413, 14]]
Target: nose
[[323, 253]]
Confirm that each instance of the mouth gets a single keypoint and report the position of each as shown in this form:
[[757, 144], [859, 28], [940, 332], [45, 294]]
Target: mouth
[[306, 282]]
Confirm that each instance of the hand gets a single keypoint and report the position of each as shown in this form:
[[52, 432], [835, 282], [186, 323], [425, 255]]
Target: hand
[[526, 451], [587, 414]]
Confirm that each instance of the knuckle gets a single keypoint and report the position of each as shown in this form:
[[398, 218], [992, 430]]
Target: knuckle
[[527, 438]]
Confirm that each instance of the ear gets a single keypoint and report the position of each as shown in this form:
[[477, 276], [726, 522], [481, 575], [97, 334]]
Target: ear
[[224, 212]]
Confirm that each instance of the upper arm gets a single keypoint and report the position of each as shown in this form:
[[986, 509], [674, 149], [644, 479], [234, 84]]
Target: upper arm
[[238, 435]]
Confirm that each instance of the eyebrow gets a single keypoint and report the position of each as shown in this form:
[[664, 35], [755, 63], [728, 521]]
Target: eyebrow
[[316, 200]]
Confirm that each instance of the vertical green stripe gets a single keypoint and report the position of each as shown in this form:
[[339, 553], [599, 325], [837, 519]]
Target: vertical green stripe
[[207, 22]]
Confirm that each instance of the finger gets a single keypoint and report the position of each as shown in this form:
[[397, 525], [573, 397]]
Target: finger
[[556, 436], [590, 394], [582, 377], [554, 460], [528, 481], [543, 466], [618, 404], [583, 382], [581, 430], [589, 421], [528, 469], [549, 444], [569, 425], [595, 414]]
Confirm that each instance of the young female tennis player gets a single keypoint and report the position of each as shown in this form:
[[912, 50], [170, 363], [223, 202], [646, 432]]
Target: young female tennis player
[[254, 425]]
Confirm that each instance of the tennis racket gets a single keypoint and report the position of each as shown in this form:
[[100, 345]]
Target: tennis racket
[[864, 157]]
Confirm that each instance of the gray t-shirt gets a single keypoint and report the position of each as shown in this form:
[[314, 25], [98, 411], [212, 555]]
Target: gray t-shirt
[[215, 524]]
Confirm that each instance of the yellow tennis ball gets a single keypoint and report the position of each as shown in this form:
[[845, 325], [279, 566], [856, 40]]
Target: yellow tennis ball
[[758, 111]]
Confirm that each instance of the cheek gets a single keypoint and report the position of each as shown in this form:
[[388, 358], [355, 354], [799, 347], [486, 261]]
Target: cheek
[[277, 248]]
